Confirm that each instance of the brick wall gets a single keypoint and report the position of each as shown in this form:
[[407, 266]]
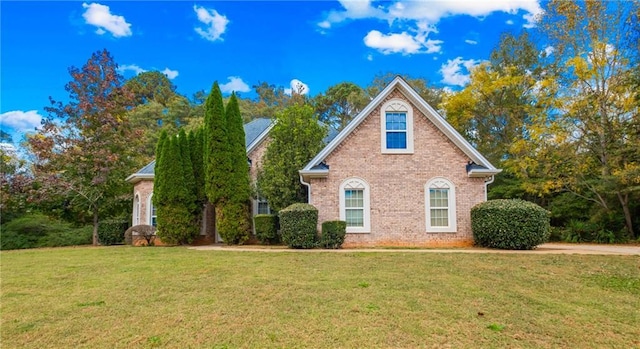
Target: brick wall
[[398, 212], [144, 190]]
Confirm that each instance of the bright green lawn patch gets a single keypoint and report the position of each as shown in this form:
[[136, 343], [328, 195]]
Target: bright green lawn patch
[[124, 297]]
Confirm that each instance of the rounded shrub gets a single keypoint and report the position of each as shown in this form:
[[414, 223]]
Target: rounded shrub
[[333, 233], [298, 226], [37, 230], [266, 226], [509, 224], [111, 231]]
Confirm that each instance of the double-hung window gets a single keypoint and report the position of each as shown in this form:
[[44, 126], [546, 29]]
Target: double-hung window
[[440, 200], [396, 131], [355, 205]]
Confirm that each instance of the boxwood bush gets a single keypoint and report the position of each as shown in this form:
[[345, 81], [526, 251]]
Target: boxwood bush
[[266, 226], [333, 233], [509, 224], [111, 231], [298, 226]]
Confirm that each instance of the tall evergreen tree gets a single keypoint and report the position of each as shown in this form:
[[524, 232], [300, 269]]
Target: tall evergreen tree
[[216, 149], [175, 222], [158, 175], [187, 167], [197, 160], [234, 219]]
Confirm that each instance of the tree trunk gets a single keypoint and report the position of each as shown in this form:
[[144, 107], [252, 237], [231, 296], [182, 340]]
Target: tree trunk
[[624, 201], [95, 227]]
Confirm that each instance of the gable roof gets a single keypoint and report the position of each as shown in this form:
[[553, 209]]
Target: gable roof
[[255, 131], [316, 168]]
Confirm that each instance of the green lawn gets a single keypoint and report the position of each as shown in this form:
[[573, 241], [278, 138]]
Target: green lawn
[[124, 297]]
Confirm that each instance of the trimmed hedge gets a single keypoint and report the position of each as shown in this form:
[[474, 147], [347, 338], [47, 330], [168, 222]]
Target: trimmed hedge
[[333, 233], [298, 226], [510, 224], [111, 231], [266, 226]]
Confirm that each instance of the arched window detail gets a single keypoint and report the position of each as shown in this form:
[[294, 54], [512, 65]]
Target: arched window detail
[[355, 205], [152, 218], [440, 202], [396, 127], [136, 209]]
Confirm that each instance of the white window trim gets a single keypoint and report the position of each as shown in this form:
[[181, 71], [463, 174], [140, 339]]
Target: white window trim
[[441, 182], [396, 105], [137, 206], [150, 211], [356, 183], [256, 202]]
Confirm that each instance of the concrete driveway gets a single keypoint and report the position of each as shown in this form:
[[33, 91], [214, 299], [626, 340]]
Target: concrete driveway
[[550, 248]]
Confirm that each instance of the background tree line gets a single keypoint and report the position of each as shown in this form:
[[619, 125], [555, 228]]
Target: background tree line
[[556, 107]]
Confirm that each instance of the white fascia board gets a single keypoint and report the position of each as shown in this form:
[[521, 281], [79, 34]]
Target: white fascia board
[[483, 172], [137, 177], [306, 174]]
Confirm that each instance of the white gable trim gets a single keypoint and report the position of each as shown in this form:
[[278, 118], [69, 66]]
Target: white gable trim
[[425, 108]]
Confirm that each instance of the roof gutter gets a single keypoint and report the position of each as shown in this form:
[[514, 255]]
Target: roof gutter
[[137, 177], [486, 186], [308, 185]]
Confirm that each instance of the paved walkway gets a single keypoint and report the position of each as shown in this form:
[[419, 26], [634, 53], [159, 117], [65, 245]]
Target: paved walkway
[[550, 248]]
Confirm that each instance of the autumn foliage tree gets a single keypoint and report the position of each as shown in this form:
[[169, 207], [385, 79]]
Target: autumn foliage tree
[[85, 147]]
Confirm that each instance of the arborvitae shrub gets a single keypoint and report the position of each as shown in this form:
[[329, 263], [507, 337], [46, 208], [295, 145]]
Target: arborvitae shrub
[[266, 226], [298, 226], [233, 221], [111, 231], [509, 224], [333, 233], [175, 225]]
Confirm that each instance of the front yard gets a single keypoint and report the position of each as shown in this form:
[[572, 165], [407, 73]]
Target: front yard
[[123, 297]]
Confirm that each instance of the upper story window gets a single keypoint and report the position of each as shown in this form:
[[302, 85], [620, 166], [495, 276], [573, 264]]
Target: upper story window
[[396, 119], [355, 205]]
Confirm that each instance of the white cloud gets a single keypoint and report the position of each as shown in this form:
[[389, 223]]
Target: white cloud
[[298, 87], [171, 74], [235, 84], [21, 121], [101, 17], [471, 42], [509, 22], [430, 11], [369, 57], [549, 50], [134, 68], [216, 24], [456, 71], [392, 43], [404, 42]]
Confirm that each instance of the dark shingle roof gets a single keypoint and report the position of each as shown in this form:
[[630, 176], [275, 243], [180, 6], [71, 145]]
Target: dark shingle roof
[[252, 130]]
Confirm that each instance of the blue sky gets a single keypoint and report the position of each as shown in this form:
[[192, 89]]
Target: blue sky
[[238, 43]]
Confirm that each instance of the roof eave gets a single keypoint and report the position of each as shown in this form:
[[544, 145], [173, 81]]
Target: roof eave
[[137, 177], [475, 173], [307, 174]]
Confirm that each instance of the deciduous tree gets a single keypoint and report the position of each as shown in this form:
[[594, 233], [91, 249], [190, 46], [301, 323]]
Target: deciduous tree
[[86, 147]]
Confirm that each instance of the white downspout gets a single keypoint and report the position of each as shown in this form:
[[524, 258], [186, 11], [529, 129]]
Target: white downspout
[[486, 186], [308, 185]]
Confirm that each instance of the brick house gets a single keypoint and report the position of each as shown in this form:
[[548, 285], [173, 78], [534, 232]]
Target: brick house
[[256, 140], [399, 175]]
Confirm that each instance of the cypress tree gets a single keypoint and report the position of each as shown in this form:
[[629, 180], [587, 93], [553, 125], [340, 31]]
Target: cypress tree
[[175, 222], [216, 147], [234, 219], [187, 170], [197, 160], [158, 176]]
